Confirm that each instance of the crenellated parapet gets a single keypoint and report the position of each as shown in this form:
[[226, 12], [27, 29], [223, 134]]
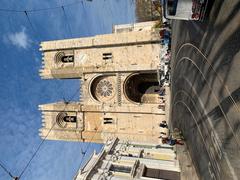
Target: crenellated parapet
[[62, 121]]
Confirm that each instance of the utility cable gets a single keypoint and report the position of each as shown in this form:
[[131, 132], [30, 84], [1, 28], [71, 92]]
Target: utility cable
[[40, 9], [68, 24], [84, 11], [88, 146], [35, 153], [6, 170], [134, 14], [31, 25], [86, 150], [43, 140], [80, 142], [2, 166]]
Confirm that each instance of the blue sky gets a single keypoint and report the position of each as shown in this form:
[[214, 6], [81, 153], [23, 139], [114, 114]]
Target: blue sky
[[22, 90]]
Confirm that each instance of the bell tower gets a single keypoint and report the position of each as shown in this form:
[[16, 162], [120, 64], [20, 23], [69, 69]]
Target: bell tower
[[119, 86], [63, 121], [127, 51]]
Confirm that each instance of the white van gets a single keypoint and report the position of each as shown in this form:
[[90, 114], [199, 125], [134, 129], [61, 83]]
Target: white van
[[184, 9]]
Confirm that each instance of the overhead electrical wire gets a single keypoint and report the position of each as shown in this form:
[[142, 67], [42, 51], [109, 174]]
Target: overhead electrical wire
[[31, 25], [71, 98], [82, 152], [88, 146], [37, 10], [1, 164], [6, 170], [67, 22], [86, 150], [43, 140], [84, 10], [89, 143], [26, 12]]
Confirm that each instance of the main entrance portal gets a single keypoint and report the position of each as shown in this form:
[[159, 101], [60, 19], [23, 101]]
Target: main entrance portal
[[142, 88]]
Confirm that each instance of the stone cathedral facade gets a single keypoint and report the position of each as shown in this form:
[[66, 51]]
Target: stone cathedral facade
[[119, 86]]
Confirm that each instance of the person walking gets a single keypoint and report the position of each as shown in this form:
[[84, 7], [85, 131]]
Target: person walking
[[163, 124]]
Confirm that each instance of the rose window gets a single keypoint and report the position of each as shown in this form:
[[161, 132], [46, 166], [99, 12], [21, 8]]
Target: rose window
[[103, 88]]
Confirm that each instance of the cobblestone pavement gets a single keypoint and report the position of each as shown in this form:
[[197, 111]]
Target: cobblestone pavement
[[205, 100]]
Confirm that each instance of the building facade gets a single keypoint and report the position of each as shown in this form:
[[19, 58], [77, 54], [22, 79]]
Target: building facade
[[119, 86], [131, 160]]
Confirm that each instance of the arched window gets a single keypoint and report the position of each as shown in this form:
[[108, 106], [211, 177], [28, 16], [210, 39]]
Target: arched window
[[65, 57], [64, 120]]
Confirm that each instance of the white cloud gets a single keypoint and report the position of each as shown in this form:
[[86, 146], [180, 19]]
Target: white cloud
[[19, 39]]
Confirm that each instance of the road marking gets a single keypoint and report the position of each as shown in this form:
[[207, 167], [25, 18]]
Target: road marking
[[218, 76], [203, 139], [214, 95]]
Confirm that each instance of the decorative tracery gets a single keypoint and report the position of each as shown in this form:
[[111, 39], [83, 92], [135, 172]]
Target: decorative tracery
[[103, 88]]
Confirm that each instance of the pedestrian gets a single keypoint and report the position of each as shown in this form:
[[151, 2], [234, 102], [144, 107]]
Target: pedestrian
[[171, 141], [163, 124], [177, 134], [161, 33], [162, 89], [167, 76], [168, 141], [167, 25]]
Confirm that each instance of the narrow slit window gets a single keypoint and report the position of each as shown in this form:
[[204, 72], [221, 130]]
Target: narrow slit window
[[107, 56], [107, 120]]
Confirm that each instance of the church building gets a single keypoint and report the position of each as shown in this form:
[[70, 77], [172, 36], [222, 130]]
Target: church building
[[119, 86]]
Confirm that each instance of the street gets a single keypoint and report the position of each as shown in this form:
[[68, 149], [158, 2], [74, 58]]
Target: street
[[205, 87]]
